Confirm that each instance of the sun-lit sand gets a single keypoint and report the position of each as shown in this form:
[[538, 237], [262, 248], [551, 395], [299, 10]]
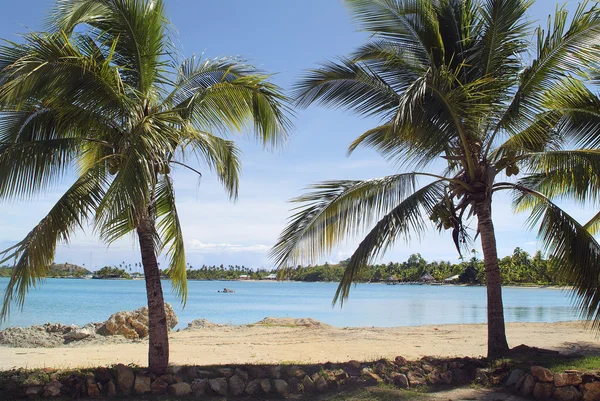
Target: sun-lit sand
[[274, 344]]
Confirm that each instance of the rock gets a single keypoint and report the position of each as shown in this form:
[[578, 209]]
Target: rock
[[265, 384], [169, 379], [33, 391], [159, 386], [543, 390], [253, 387], [437, 377], [111, 389], [78, 334], [427, 367], [542, 374], [295, 371], [218, 385], [201, 324], [225, 372], [125, 378], [400, 380], [241, 373], [180, 389], [463, 375], [92, 389], [591, 391], [380, 368], [514, 377], [371, 379], [526, 385], [567, 393], [256, 372], [103, 375], [416, 379], [340, 376], [321, 384], [275, 372], [353, 368], [308, 384], [142, 384], [567, 379], [236, 385], [281, 387], [198, 387], [400, 361], [291, 322], [51, 391], [295, 385], [134, 324]]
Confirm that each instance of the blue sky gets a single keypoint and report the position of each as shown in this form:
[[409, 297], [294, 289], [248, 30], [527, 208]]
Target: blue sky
[[283, 37]]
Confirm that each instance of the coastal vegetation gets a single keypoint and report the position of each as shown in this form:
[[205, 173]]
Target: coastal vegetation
[[103, 94], [112, 272], [474, 89], [519, 268], [55, 270]]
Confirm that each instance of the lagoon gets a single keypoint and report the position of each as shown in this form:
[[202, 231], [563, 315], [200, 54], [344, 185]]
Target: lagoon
[[72, 301]]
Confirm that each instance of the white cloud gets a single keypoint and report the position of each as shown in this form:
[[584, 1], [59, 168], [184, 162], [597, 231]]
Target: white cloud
[[201, 247]]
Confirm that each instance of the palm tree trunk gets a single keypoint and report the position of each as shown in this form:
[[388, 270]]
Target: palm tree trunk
[[158, 349], [497, 344]]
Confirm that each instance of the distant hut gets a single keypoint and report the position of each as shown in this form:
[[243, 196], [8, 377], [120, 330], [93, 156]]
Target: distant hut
[[427, 278], [244, 277], [272, 276], [391, 280]]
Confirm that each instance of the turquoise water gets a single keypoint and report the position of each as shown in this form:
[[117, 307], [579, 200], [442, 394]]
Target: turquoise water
[[82, 301]]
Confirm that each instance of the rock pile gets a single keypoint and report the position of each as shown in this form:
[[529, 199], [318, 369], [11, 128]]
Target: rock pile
[[542, 384], [130, 325], [134, 325], [290, 322]]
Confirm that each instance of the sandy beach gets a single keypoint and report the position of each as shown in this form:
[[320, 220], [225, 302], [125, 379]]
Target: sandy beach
[[275, 344]]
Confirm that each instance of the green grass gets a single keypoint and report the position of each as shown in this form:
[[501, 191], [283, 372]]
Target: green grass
[[373, 394], [560, 364]]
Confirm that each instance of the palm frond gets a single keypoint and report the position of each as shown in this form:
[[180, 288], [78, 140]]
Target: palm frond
[[573, 249], [34, 254], [408, 219], [593, 226], [220, 155], [562, 50], [137, 27], [334, 210], [573, 174], [410, 23], [349, 85], [237, 102], [502, 28], [170, 232]]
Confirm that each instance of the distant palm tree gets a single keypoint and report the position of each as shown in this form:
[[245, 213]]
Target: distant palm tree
[[450, 82], [101, 94]]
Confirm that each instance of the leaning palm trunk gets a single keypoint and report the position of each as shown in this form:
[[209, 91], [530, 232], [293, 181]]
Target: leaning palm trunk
[[497, 344], [158, 341]]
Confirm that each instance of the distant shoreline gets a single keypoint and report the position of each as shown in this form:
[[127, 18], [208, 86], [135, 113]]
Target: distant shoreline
[[511, 285]]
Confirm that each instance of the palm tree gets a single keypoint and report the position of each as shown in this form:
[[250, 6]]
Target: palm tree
[[101, 94], [449, 81]]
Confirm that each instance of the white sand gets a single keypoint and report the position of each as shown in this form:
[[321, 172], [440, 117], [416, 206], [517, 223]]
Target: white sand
[[268, 344]]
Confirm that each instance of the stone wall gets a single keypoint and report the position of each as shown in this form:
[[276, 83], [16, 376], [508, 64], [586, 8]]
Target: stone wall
[[282, 380], [541, 384]]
